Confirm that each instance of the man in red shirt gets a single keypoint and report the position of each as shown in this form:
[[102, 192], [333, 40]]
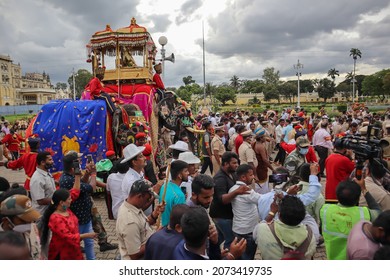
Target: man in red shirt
[[338, 166], [28, 161], [157, 78], [13, 140], [239, 139], [95, 88]]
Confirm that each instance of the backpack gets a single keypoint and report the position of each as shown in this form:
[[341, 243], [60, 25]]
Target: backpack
[[298, 253]]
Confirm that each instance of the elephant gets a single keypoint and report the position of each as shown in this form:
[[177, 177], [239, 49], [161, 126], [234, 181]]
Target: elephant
[[169, 111], [175, 114], [126, 123]]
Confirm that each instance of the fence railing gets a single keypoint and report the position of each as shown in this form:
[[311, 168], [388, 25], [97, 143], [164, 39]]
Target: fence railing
[[19, 109]]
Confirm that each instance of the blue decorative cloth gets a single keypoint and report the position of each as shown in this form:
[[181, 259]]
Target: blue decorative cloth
[[65, 125]]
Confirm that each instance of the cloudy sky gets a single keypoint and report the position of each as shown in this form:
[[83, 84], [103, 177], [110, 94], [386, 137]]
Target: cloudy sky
[[242, 37]]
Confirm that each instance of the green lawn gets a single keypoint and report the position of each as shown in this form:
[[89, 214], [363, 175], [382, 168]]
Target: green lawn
[[13, 118]]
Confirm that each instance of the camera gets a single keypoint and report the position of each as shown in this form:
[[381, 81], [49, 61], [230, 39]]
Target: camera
[[365, 148], [76, 167], [278, 178]]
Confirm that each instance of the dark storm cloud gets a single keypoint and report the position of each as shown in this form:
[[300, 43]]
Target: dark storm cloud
[[186, 11], [89, 15], [277, 33], [245, 38]]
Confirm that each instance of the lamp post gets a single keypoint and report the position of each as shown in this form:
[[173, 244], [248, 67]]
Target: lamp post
[[74, 84], [298, 67], [163, 41], [353, 88]]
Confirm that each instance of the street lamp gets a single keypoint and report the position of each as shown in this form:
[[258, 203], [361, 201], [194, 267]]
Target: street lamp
[[163, 41], [298, 67], [74, 84], [353, 88]]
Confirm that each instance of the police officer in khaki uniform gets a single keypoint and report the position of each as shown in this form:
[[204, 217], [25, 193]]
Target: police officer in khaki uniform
[[217, 148], [297, 157]]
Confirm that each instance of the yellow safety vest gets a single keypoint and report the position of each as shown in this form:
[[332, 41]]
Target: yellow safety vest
[[337, 222]]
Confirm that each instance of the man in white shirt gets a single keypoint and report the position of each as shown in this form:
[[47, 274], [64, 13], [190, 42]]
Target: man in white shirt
[[245, 214], [322, 143], [42, 185], [114, 187], [279, 159], [193, 162]]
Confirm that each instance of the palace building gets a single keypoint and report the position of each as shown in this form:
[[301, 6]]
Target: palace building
[[15, 89]]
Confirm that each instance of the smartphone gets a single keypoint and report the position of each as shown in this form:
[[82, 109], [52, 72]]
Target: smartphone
[[184, 190], [76, 167], [278, 178], [278, 191], [89, 158]]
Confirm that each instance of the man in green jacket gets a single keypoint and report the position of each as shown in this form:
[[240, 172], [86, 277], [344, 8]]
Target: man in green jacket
[[337, 220]]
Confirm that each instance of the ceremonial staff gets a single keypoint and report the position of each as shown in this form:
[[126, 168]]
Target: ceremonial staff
[[164, 193]]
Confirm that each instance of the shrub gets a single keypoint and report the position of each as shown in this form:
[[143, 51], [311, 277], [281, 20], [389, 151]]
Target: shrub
[[341, 107]]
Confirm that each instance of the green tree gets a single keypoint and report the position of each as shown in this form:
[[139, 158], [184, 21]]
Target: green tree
[[333, 73], [186, 92], [326, 89], [344, 88], [271, 92], [306, 86], [188, 80], [377, 84], [386, 83], [210, 89], [270, 76], [235, 83], [224, 94], [62, 86], [349, 76], [82, 78], [252, 86], [288, 90]]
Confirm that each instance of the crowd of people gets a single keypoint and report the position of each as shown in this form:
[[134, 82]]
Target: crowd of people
[[257, 187]]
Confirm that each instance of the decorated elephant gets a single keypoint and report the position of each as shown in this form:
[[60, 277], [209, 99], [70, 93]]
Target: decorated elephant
[[127, 121], [175, 114]]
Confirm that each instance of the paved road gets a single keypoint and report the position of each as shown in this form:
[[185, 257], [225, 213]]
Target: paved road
[[19, 176]]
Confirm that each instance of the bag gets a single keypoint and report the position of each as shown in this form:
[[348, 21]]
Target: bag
[[298, 253]]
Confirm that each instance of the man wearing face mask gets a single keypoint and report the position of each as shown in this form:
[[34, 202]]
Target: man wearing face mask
[[42, 185], [18, 215], [297, 157]]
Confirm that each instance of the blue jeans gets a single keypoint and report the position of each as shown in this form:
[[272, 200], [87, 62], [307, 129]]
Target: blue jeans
[[225, 232], [251, 246], [88, 242]]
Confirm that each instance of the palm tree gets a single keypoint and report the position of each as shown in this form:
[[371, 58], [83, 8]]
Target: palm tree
[[235, 83], [349, 76], [333, 73], [355, 53]]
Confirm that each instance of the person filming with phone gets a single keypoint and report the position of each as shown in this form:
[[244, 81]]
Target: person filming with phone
[[82, 206]]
